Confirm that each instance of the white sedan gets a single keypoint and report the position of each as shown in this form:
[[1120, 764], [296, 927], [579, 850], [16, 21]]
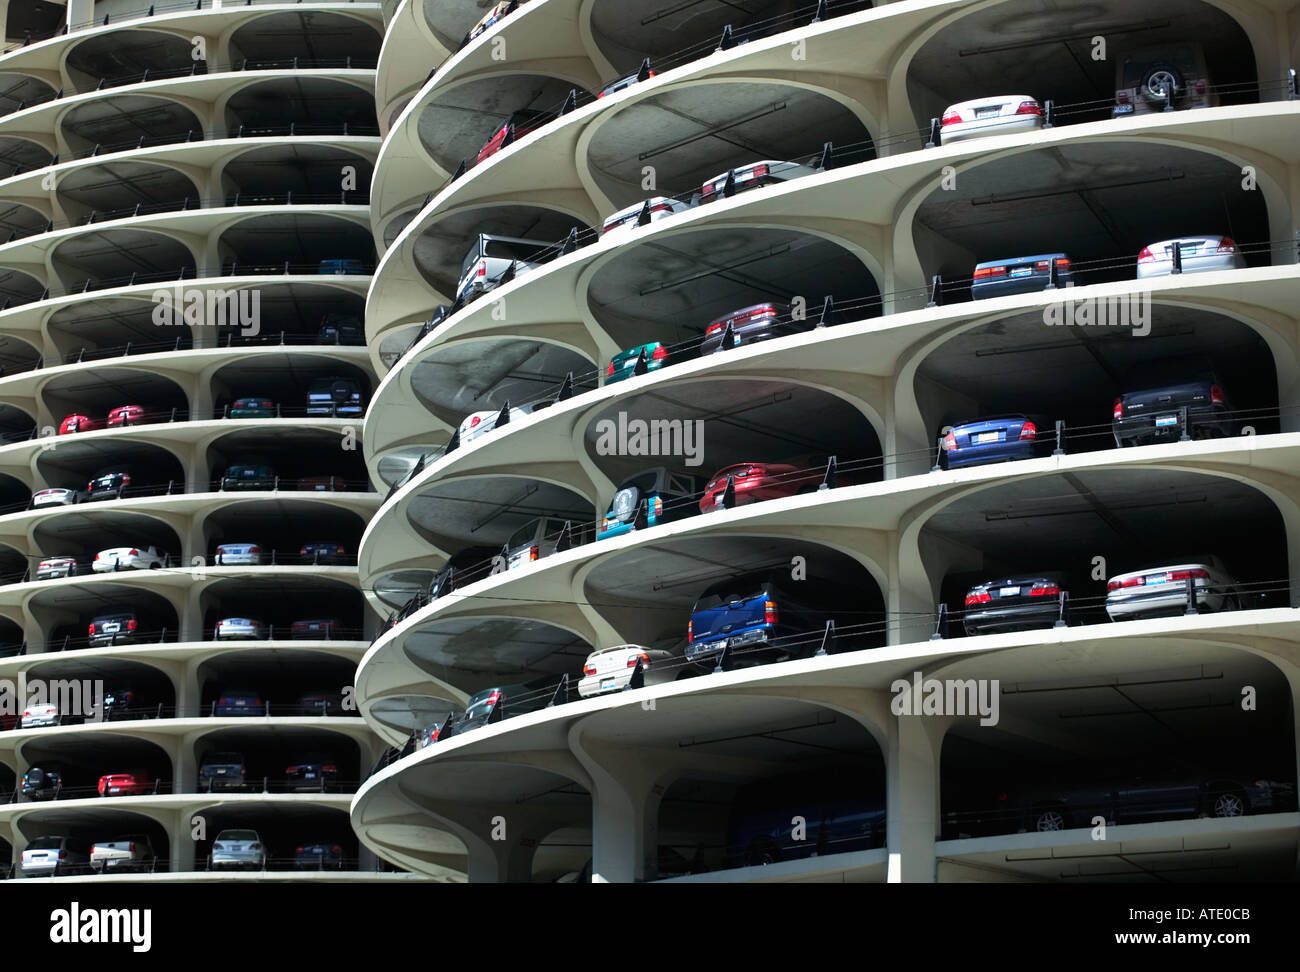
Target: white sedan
[[480, 423], [611, 669], [40, 714], [240, 628], [626, 220], [128, 558], [754, 175], [52, 567], [238, 555], [54, 496], [994, 115], [1200, 254], [1163, 590]]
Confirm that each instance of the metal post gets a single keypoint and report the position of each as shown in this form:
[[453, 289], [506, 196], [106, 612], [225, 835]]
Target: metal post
[[1060, 616], [1053, 275], [638, 677], [832, 472], [1060, 438], [933, 140], [828, 640], [940, 624], [724, 658], [561, 695], [936, 291], [642, 364], [729, 494], [1177, 257], [1191, 597], [1049, 113], [938, 458], [828, 313], [1185, 434], [727, 42]]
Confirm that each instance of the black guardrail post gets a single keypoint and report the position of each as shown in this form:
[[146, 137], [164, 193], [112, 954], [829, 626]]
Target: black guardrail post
[[1191, 596], [933, 140], [561, 695]]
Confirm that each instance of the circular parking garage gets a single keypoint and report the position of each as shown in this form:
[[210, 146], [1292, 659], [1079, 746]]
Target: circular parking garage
[[1081, 54], [90, 330], [255, 682], [311, 104], [85, 827], [130, 690], [278, 759], [104, 468], [291, 837], [671, 288], [120, 258], [99, 396], [1100, 204], [480, 653], [312, 37], [286, 532], [311, 604], [120, 121], [1024, 365], [302, 244], [683, 138], [473, 376], [82, 759], [1078, 531], [113, 190], [124, 611], [308, 460], [292, 383], [76, 538], [297, 174], [459, 122], [130, 55], [291, 314]]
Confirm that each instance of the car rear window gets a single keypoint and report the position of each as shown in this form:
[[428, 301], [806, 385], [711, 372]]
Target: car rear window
[[742, 588], [45, 843], [237, 835]]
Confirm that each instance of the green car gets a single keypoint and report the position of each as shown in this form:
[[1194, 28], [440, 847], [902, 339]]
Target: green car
[[246, 408], [624, 363]]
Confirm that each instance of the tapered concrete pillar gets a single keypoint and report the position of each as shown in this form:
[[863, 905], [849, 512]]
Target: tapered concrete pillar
[[912, 796]]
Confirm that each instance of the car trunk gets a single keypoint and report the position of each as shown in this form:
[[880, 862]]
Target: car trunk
[[737, 613]]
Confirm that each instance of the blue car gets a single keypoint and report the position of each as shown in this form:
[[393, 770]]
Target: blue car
[[1018, 275], [1001, 438], [342, 266]]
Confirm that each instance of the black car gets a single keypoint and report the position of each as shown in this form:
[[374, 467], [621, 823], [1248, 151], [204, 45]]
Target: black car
[[839, 814], [503, 702], [323, 855], [119, 703], [1018, 603], [42, 783], [759, 322], [334, 397], [314, 772], [1151, 410], [322, 702], [249, 476], [341, 329], [655, 496], [464, 567], [116, 626], [222, 771], [324, 552], [109, 483]]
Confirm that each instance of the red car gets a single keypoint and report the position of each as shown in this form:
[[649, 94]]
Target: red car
[[758, 481], [78, 423], [136, 783], [126, 415], [519, 124]]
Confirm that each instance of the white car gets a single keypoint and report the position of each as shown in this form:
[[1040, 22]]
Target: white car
[[128, 558], [1200, 254], [54, 496], [40, 714], [480, 423], [239, 555], [1163, 590], [626, 220], [238, 849], [611, 669], [233, 628], [994, 115], [52, 567], [753, 176]]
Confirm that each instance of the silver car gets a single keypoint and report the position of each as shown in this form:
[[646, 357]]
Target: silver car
[[754, 175], [52, 567], [626, 220], [242, 849], [246, 628], [1157, 591], [1200, 254], [491, 256], [994, 115], [239, 555]]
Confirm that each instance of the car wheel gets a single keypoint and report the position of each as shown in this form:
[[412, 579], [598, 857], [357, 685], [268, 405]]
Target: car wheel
[[1161, 82], [155, 565], [1229, 804], [1050, 818]]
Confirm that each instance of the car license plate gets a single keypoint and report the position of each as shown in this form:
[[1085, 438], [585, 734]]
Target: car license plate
[[1123, 109], [1021, 271], [1162, 421], [112, 628], [1009, 591], [309, 776], [606, 683], [990, 112], [983, 437], [221, 771]]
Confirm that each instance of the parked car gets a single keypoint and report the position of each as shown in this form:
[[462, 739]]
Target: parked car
[[755, 175], [116, 626], [52, 567], [54, 496], [128, 558], [251, 408], [222, 771], [322, 702], [238, 555], [1151, 411], [494, 13], [763, 616], [246, 476], [509, 700], [133, 783], [316, 628], [1018, 275], [1171, 77], [40, 714], [238, 849], [126, 415], [315, 771], [840, 815], [246, 629], [535, 539], [131, 853], [623, 364], [334, 397], [463, 567], [50, 856], [519, 123], [614, 87], [342, 266], [629, 219], [319, 856], [344, 329], [320, 484], [42, 783], [490, 257], [666, 495], [1156, 591], [323, 552], [760, 322], [119, 703], [1001, 438], [78, 423], [1199, 254], [993, 115], [480, 423], [759, 481], [1019, 603], [611, 669], [111, 483], [239, 702]]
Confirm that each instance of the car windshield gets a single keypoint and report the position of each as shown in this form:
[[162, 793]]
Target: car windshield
[[740, 589], [524, 535], [45, 843], [237, 835], [225, 758]]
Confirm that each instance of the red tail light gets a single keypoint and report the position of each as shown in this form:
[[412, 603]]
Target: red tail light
[[1146, 256], [660, 353], [254, 550], [1029, 108], [1115, 585], [690, 633], [329, 768], [1200, 86], [589, 669], [1216, 395], [641, 657], [950, 442], [1118, 408], [609, 372], [662, 208], [341, 550], [952, 118], [1226, 245], [715, 326], [983, 273], [533, 552], [1182, 575], [336, 849], [494, 698], [134, 552], [1121, 97], [1028, 431], [90, 629], [761, 172], [289, 770], [1044, 590], [979, 597], [480, 270], [300, 850], [131, 625], [770, 613]]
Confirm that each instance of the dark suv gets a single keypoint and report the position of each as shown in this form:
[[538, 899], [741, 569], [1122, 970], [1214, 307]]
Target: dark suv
[[1163, 79], [655, 496], [249, 475], [222, 771], [116, 626], [1151, 411], [334, 397], [42, 783], [341, 329]]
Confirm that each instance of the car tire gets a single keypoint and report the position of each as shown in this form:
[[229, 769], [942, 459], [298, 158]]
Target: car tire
[[1050, 818], [1229, 803], [1164, 75]]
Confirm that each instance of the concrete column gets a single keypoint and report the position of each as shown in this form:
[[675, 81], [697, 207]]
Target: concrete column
[[80, 12], [180, 841], [912, 796], [184, 766]]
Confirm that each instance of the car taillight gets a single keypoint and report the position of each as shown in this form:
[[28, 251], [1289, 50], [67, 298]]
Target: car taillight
[[766, 310], [532, 552], [770, 613], [660, 353], [90, 629], [983, 273], [690, 635], [1029, 108], [480, 270], [130, 625], [610, 370], [641, 657], [1182, 575], [1146, 256], [715, 326], [950, 442], [760, 172], [589, 669], [1028, 431], [952, 118], [662, 208], [494, 698], [979, 597], [1044, 590], [1121, 97], [341, 549], [300, 850], [657, 507], [1200, 86], [96, 556], [290, 769], [254, 550], [1216, 395], [1226, 245], [134, 552], [1115, 585], [1118, 408]]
